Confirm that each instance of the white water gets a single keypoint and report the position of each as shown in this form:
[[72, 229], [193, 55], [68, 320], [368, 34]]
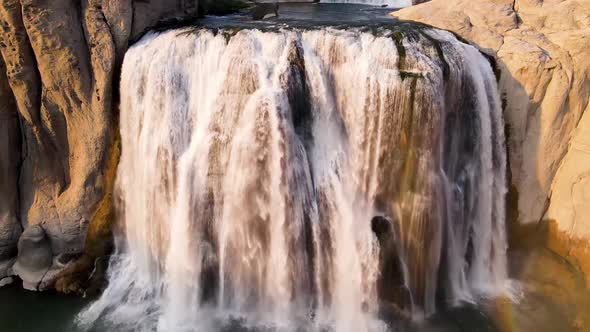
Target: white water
[[252, 166]]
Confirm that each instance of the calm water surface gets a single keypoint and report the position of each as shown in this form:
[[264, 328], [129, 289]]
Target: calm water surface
[[25, 311]]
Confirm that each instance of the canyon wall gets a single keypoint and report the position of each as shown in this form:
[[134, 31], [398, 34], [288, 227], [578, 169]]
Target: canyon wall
[[61, 60], [541, 50], [10, 227]]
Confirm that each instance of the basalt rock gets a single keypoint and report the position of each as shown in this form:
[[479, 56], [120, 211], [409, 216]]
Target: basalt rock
[[395, 297], [264, 10]]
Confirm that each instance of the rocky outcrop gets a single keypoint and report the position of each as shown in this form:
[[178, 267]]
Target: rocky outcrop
[[541, 48], [62, 59], [35, 258], [10, 159]]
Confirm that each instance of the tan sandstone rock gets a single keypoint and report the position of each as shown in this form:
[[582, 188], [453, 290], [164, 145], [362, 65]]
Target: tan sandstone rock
[[542, 50], [570, 196], [62, 58]]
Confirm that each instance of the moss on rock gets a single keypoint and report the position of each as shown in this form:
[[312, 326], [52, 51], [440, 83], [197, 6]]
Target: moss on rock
[[86, 274]]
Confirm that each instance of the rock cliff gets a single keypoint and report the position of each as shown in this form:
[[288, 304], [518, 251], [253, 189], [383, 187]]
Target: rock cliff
[[542, 52], [61, 59]]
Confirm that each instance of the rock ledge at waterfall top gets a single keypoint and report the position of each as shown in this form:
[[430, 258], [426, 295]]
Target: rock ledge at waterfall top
[[542, 52]]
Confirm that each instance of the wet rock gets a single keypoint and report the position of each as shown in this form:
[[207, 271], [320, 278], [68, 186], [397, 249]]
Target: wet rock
[[6, 271], [6, 281], [59, 263], [264, 10], [382, 228], [35, 257], [395, 298]]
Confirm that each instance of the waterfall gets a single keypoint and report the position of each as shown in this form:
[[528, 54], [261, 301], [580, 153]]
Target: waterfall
[[317, 180]]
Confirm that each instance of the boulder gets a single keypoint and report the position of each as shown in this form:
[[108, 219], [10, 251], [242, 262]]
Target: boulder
[[394, 296], [34, 257], [264, 10], [6, 281]]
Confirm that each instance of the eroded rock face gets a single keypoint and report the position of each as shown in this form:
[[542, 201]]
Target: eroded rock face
[[61, 61], [541, 48], [570, 196], [34, 257], [10, 158]]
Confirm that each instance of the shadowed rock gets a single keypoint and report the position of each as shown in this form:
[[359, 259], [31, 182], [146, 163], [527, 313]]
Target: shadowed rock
[[264, 10], [10, 158], [35, 257], [395, 298]]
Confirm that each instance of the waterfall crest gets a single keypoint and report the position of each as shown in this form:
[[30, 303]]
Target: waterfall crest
[[318, 180]]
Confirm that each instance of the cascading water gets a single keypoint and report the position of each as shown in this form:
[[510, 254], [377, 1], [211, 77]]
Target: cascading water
[[316, 180]]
